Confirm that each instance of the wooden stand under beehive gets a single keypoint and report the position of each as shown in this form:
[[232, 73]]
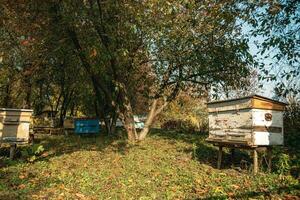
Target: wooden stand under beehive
[[252, 122], [14, 127]]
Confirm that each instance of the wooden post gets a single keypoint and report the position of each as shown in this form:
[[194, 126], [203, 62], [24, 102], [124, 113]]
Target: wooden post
[[12, 151], [269, 157], [66, 132], [219, 157], [232, 154], [255, 161]]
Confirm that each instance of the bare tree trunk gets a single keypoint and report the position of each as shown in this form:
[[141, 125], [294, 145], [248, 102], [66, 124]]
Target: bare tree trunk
[[150, 118]]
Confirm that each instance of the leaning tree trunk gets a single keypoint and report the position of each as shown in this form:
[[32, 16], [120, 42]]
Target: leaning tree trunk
[[149, 121], [150, 118]]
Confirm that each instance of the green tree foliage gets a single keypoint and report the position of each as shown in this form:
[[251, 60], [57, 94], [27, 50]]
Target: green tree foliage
[[245, 87], [41, 71], [276, 24]]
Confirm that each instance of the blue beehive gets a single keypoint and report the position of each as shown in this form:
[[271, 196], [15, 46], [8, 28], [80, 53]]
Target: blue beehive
[[86, 126]]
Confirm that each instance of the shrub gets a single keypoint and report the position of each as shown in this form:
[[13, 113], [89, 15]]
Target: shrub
[[185, 126], [283, 164], [186, 113], [31, 153]]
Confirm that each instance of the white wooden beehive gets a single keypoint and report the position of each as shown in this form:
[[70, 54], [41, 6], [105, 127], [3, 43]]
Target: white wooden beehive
[[14, 125], [250, 121]]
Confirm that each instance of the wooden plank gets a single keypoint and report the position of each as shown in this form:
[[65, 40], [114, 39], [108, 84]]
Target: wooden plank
[[15, 113], [10, 118], [231, 126], [268, 99], [267, 138], [235, 105], [263, 104], [229, 143], [17, 131], [230, 120], [267, 129]]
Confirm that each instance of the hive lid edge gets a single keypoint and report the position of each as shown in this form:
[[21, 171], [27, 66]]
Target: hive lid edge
[[16, 109], [255, 96]]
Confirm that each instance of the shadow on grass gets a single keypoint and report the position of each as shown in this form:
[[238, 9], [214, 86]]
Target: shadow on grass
[[73, 143], [11, 180], [17, 187], [205, 152], [57, 145], [266, 194]]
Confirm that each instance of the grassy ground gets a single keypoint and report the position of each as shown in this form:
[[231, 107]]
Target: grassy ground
[[168, 165]]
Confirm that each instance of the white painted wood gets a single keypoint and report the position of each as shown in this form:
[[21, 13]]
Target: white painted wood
[[259, 118], [266, 138]]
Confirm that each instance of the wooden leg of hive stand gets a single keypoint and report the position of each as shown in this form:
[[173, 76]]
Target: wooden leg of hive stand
[[255, 161], [219, 157], [269, 157], [232, 154], [12, 151]]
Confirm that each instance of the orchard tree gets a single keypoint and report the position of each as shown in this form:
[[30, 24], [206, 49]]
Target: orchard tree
[[192, 45], [38, 70]]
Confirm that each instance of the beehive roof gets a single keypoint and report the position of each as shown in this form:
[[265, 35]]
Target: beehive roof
[[253, 96]]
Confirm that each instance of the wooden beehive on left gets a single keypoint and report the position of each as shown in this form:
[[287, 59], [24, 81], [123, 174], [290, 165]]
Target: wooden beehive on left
[[15, 125]]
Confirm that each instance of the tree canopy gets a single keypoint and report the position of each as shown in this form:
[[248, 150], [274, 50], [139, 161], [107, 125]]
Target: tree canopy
[[116, 58]]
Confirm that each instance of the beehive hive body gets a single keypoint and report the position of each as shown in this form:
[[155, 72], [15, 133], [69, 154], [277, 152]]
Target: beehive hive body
[[14, 125], [250, 121], [86, 125]]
